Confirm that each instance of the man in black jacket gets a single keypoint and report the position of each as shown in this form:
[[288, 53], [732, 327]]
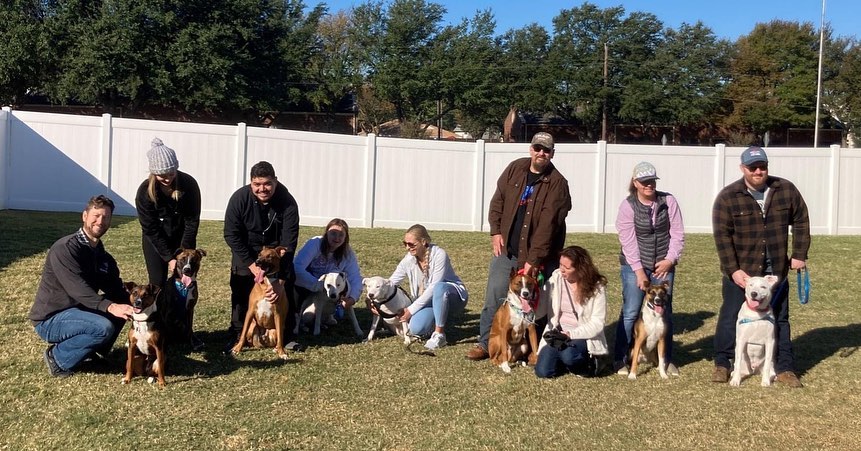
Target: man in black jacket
[[81, 304], [262, 213]]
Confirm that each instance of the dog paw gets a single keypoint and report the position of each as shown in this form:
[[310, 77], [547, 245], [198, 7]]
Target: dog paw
[[766, 383], [735, 382], [150, 379], [505, 368], [632, 375], [664, 376], [125, 381]]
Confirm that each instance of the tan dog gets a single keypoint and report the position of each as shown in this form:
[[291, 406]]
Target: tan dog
[[146, 356], [512, 335], [650, 330], [265, 322], [754, 332]]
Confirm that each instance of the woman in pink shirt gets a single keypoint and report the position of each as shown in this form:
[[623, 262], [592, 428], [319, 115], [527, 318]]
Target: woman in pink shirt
[[652, 236]]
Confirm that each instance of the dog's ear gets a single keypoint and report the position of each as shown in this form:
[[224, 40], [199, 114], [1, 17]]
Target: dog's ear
[[322, 278], [129, 286], [201, 253], [365, 281], [513, 272], [281, 250], [177, 252], [771, 280], [648, 285]]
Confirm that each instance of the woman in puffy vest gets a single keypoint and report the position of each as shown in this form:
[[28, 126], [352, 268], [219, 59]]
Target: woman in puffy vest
[[652, 236]]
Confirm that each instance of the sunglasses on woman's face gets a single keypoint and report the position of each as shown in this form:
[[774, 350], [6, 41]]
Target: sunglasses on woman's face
[[410, 245]]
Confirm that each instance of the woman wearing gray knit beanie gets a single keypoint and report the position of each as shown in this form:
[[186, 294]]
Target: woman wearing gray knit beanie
[[168, 207]]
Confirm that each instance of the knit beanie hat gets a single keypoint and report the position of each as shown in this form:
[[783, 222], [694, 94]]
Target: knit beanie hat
[[162, 159]]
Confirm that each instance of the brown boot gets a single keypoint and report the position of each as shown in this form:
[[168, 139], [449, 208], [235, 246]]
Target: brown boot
[[477, 353], [720, 375], [789, 379]]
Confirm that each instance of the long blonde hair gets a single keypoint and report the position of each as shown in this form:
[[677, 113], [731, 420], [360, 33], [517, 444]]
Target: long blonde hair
[[153, 185]]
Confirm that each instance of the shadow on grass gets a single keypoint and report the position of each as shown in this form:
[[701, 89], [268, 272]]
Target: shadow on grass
[[816, 345], [27, 233]]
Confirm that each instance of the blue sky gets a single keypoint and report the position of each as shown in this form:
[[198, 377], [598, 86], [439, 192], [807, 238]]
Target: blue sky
[[727, 18]]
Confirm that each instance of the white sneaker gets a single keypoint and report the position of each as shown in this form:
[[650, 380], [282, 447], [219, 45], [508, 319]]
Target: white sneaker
[[436, 341]]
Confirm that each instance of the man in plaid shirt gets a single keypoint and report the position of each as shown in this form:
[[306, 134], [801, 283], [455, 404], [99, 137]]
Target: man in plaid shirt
[[750, 221]]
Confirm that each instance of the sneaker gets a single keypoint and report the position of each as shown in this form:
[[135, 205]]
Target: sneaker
[[436, 341], [789, 379], [53, 368], [673, 370], [720, 375], [477, 353], [620, 368]]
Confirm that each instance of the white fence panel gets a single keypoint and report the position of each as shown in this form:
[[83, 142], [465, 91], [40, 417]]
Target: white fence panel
[[55, 162]]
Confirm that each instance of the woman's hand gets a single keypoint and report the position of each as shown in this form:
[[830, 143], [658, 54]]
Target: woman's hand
[[348, 302], [405, 317], [642, 280], [662, 268]]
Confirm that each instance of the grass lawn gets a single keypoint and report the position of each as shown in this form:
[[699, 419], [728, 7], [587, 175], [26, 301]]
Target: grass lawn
[[342, 394]]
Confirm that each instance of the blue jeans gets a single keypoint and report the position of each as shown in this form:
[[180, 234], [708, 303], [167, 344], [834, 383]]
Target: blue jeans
[[77, 332], [497, 290], [435, 313], [724, 341], [553, 362], [632, 302]]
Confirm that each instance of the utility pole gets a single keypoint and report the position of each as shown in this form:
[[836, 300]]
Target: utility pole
[[604, 114], [819, 77]]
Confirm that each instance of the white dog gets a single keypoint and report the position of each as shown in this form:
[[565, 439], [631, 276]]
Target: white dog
[[754, 332], [322, 302], [390, 302]]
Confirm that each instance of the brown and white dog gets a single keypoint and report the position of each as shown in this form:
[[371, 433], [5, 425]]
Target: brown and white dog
[[266, 322], [512, 334], [322, 302], [754, 333], [146, 353], [390, 302], [650, 330], [180, 296]]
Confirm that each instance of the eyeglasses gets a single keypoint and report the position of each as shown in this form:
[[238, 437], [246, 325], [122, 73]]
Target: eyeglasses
[[539, 149], [761, 166], [410, 245]]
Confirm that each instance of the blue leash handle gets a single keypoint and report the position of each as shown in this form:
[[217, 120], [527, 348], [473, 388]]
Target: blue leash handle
[[803, 285]]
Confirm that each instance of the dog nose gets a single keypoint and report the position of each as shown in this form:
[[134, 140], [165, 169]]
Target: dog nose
[[137, 303]]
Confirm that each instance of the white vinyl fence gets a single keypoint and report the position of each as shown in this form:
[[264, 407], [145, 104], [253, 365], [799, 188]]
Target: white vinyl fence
[[55, 162]]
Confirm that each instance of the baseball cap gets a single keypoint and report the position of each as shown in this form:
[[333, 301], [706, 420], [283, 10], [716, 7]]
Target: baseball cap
[[645, 171], [753, 155], [543, 139]]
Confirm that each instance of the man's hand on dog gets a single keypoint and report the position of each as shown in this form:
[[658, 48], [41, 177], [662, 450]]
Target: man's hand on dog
[[740, 278], [123, 311], [275, 291]]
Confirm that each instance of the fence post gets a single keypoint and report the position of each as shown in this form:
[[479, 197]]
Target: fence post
[[478, 207], [834, 191], [241, 163], [106, 150], [600, 213], [720, 168], [5, 151], [370, 179]]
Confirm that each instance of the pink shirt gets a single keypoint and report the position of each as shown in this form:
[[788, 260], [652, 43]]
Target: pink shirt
[[628, 237]]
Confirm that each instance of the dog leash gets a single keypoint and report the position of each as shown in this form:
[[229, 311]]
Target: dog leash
[[803, 285]]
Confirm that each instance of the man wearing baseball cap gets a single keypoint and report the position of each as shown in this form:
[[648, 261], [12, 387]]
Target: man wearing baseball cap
[[527, 228], [750, 221]]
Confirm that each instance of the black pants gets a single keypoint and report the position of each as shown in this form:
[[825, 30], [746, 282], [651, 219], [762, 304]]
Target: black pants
[[240, 289], [156, 268], [733, 297]]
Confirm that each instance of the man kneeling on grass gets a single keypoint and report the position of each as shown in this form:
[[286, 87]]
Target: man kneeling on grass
[[81, 304]]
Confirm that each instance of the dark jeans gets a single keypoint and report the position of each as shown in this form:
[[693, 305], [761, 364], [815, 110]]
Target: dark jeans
[[724, 343], [553, 362], [497, 290], [240, 289], [156, 268]]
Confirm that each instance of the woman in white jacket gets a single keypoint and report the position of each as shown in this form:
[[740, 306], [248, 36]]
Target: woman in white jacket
[[576, 321], [437, 290]]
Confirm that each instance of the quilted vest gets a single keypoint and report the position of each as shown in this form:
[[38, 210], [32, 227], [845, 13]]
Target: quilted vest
[[653, 240]]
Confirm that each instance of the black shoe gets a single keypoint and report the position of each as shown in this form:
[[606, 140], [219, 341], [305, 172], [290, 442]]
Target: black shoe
[[294, 346], [197, 344], [53, 368], [228, 348]]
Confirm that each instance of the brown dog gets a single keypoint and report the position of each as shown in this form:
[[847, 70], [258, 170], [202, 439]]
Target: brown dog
[[180, 296], [265, 322], [651, 329], [512, 335], [146, 355]]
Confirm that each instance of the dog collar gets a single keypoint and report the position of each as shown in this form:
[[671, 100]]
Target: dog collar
[[181, 289], [769, 318]]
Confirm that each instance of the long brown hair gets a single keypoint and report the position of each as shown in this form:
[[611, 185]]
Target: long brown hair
[[589, 279], [341, 251]]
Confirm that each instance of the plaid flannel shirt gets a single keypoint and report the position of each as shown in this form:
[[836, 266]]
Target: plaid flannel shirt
[[742, 234]]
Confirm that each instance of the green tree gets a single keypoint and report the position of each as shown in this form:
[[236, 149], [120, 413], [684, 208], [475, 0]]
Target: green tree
[[845, 99], [333, 70], [527, 76], [773, 77], [23, 50]]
